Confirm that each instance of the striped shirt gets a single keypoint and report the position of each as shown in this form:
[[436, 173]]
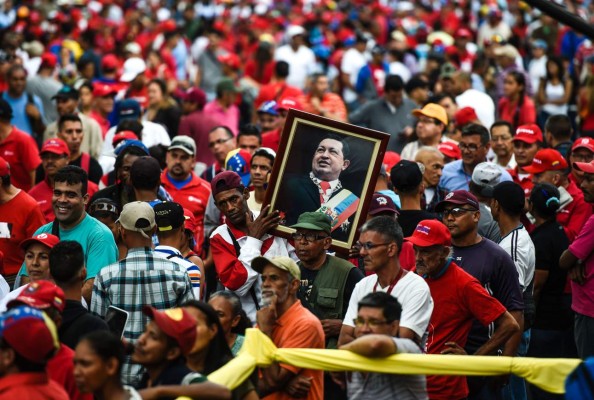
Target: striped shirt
[[173, 254], [138, 280]]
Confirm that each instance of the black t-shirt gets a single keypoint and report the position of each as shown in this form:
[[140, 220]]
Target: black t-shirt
[[409, 219], [496, 271], [553, 310], [95, 171]]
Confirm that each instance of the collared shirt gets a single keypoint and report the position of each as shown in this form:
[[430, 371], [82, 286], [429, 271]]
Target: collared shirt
[[223, 116], [334, 186], [139, 279], [454, 177]]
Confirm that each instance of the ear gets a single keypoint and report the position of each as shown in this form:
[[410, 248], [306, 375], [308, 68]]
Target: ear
[[294, 285], [327, 243], [83, 274], [173, 353], [111, 366], [246, 194], [235, 321], [488, 145], [86, 199], [394, 326], [346, 164], [556, 179]]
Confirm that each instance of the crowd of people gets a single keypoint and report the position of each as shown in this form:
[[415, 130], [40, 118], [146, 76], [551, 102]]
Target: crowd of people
[[137, 140]]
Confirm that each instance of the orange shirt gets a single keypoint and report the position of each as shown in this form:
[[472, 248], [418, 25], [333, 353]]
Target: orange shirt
[[331, 102], [299, 328]]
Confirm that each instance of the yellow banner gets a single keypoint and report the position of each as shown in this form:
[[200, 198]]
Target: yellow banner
[[258, 351]]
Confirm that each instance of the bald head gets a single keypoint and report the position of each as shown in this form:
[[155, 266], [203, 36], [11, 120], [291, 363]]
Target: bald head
[[433, 161]]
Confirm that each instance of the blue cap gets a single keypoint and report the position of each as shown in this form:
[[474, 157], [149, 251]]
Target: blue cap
[[124, 144], [540, 44], [128, 109], [269, 107]]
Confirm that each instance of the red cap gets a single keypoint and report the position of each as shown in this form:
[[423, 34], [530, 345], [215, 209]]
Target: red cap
[[546, 160], [458, 197], [288, 102], [230, 59], [103, 89], [195, 95], [41, 295], [583, 143], [529, 133], [465, 116], [463, 33], [176, 323], [391, 158], [430, 232], [56, 146], [46, 239], [123, 135], [190, 223], [110, 62], [450, 150], [4, 167], [585, 167], [49, 60]]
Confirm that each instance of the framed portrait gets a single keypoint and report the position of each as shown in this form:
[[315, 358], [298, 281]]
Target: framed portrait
[[326, 166]]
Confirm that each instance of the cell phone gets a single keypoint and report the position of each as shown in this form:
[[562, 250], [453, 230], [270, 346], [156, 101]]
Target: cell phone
[[116, 319]]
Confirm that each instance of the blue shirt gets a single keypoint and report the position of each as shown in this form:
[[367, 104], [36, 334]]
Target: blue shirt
[[455, 178], [19, 116], [96, 240]]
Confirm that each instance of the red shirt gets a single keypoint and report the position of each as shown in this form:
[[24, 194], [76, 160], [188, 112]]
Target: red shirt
[[140, 96], [20, 151], [526, 113], [42, 193], [458, 300], [330, 101], [276, 91], [526, 183], [61, 369], [194, 197], [271, 139], [19, 219], [268, 71], [103, 122], [574, 215], [31, 386]]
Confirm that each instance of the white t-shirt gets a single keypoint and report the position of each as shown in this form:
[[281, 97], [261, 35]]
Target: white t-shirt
[[519, 246], [411, 291], [481, 102], [302, 63], [352, 61]]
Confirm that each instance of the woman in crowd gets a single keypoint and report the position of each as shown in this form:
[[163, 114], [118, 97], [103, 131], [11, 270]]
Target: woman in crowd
[[515, 106], [554, 91], [585, 103], [97, 366], [162, 109], [552, 332], [233, 319]]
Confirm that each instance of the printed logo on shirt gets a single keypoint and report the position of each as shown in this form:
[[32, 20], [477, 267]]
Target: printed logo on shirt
[[5, 230], [9, 153], [194, 199]]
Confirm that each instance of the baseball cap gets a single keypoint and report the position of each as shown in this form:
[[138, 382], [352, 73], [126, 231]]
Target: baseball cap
[[185, 143], [450, 150], [510, 196], [486, 175], [225, 180], [133, 48], [430, 232], [231, 60], [281, 262], [48, 60], [169, 216], [66, 92], [137, 216], [546, 160], [103, 207], [381, 203], [5, 110], [56, 146], [190, 221], [30, 332], [41, 295], [432, 110], [4, 167], [123, 135], [268, 107], [103, 90], [458, 197], [406, 175], [539, 44], [315, 221], [128, 109], [195, 95], [123, 145], [176, 323], [507, 50], [583, 143], [239, 161], [295, 30], [585, 167], [226, 85], [391, 158], [46, 239], [110, 62], [529, 133], [465, 116], [133, 67], [463, 33], [288, 102]]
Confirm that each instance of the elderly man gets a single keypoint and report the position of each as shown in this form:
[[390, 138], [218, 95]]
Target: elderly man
[[459, 299], [433, 160], [289, 325]]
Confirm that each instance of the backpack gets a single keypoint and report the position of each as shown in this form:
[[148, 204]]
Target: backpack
[[580, 383]]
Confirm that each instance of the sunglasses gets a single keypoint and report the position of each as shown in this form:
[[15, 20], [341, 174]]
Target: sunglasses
[[104, 207]]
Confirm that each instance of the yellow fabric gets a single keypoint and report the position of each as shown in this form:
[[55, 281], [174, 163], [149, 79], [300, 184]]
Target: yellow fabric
[[258, 350]]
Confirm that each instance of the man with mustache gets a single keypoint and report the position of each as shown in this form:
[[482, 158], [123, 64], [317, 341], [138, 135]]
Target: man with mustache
[[180, 181], [459, 299]]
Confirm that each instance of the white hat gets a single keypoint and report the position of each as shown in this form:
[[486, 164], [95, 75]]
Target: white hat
[[507, 51], [138, 216], [294, 30], [486, 175], [132, 68], [133, 48]]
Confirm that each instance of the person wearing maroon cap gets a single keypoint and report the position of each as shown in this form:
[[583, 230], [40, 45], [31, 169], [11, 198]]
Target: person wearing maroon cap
[[549, 166], [321, 101], [47, 297], [527, 141], [20, 216], [459, 299], [581, 151], [243, 237], [54, 156], [45, 85], [493, 268], [278, 87], [196, 124], [103, 103]]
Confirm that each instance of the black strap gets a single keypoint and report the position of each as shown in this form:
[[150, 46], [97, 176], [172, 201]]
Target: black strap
[[56, 229], [237, 251], [170, 256]]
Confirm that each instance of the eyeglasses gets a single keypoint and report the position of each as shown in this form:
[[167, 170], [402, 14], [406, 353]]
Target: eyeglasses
[[372, 323], [369, 245], [457, 212], [103, 207], [218, 141], [582, 157], [428, 121], [310, 237], [500, 138], [471, 147]]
